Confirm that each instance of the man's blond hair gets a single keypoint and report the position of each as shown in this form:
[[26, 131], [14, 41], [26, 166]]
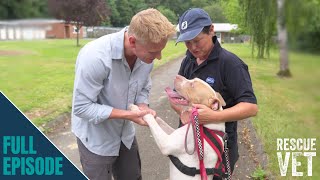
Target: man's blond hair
[[150, 26]]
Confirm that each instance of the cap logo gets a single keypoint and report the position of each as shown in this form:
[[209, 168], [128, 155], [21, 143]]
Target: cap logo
[[184, 25]]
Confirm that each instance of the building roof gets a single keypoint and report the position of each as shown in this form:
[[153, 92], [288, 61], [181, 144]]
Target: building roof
[[220, 27], [224, 27], [25, 22]]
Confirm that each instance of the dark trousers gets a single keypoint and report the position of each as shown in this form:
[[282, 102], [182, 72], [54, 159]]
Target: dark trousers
[[126, 166]]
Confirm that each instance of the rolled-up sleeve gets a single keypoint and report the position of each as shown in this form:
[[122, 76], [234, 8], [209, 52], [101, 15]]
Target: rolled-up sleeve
[[90, 75], [143, 96]]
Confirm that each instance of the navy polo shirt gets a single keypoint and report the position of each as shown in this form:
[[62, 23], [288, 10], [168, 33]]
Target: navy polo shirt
[[227, 74]]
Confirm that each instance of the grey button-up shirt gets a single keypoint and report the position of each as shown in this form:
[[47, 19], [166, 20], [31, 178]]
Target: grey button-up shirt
[[103, 81]]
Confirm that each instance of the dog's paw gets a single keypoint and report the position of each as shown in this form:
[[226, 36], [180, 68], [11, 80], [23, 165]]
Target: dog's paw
[[133, 107]]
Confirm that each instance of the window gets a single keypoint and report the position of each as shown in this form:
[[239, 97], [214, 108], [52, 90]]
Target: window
[[74, 30]]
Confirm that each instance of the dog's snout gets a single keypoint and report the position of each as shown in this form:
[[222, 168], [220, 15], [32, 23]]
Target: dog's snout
[[179, 77]]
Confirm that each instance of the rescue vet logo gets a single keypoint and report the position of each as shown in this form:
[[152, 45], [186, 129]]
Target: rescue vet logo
[[295, 147]]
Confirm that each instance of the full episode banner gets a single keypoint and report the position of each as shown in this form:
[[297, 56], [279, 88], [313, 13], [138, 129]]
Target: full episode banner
[[26, 153]]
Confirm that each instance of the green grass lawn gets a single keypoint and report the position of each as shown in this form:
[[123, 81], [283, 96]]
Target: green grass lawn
[[288, 108], [37, 76]]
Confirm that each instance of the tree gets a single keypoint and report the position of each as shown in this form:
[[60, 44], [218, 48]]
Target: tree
[[126, 12], [260, 18], [234, 14], [216, 13], [137, 5], [79, 12], [202, 3], [260, 21], [177, 6], [303, 25], [172, 17], [282, 39], [115, 15], [17, 9]]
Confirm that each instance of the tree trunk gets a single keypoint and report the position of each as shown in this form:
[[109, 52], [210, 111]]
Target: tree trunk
[[78, 38], [282, 41], [78, 29], [262, 50], [7, 33]]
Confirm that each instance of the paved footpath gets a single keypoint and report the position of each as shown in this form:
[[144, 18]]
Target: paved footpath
[[155, 166]]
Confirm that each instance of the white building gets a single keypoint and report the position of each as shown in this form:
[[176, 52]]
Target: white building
[[222, 30], [25, 29]]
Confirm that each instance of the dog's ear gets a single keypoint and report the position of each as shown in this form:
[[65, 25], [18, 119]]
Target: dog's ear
[[216, 102], [222, 102]]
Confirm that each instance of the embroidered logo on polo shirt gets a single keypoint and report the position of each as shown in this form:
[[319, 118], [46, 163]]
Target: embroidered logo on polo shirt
[[210, 80]]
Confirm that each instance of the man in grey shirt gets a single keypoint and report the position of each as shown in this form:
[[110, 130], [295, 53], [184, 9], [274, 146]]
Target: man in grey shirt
[[113, 72]]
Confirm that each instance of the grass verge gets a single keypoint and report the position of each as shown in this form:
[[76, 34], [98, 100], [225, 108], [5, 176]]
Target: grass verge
[[37, 76], [288, 107]]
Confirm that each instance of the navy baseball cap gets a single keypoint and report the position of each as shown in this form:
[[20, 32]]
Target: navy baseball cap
[[191, 23]]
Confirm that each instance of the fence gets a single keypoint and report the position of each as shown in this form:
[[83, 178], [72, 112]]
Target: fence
[[98, 31]]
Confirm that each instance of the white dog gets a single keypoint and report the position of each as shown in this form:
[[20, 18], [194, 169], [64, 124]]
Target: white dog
[[171, 141]]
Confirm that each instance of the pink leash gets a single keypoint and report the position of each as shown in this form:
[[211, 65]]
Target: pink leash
[[198, 139]]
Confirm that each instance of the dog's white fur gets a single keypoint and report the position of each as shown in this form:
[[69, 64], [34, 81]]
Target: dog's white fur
[[171, 141]]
